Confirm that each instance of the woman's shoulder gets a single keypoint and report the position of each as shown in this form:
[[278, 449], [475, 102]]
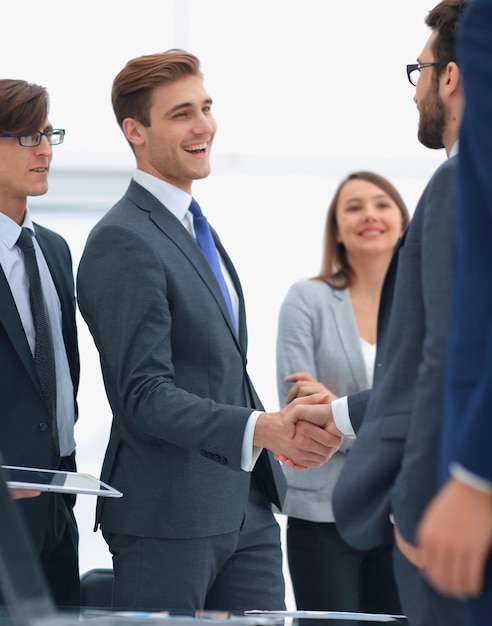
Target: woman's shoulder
[[314, 288]]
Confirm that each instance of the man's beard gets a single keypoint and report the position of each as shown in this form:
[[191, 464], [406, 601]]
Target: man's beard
[[432, 122]]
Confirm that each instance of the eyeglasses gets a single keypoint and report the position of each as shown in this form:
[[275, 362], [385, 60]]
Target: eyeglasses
[[414, 69], [55, 137]]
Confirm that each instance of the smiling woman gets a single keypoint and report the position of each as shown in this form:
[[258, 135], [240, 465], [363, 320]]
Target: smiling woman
[[326, 344]]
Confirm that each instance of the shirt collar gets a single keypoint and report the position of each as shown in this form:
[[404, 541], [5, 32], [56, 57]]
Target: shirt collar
[[174, 199], [10, 230], [454, 149]]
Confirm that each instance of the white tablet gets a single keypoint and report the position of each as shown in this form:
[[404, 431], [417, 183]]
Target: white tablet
[[56, 480]]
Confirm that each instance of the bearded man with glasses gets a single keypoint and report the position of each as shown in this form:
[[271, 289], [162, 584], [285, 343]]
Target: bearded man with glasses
[[39, 357], [391, 472]]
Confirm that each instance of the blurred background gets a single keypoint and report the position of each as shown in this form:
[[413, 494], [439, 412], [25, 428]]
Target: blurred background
[[304, 93]]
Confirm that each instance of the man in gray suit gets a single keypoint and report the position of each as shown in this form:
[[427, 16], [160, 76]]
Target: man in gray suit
[[189, 438], [392, 469]]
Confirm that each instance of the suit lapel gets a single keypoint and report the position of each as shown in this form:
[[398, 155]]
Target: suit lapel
[[174, 230], [348, 335], [242, 329], [57, 272], [62, 279], [388, 290], [9, 318]]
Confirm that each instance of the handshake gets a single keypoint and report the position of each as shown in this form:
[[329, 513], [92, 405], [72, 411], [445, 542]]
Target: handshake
[[303, 434]]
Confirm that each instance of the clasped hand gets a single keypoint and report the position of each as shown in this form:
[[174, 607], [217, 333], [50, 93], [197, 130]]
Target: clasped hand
[[302, 435]]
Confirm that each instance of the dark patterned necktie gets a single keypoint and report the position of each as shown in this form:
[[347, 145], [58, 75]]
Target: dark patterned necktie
[[44, 355], [207, 245]]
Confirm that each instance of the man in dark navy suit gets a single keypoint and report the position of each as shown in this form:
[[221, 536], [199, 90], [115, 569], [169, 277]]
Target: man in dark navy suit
[[391, 472], [456, 534], [37, 425]]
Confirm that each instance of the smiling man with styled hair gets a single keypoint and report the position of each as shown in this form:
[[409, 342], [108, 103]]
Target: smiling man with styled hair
[[190, 445]]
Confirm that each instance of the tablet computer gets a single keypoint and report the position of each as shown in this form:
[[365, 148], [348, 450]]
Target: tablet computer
[[56, 480]]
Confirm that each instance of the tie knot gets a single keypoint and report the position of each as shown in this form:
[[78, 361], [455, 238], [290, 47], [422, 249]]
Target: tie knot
[[25, 239], [195, 209]]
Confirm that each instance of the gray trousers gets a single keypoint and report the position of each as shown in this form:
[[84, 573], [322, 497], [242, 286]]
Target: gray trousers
[[236, 571]]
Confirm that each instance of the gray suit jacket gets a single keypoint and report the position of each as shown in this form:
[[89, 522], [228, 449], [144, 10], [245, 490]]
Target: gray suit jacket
[[394, 463], [317, 333], [175, 376]]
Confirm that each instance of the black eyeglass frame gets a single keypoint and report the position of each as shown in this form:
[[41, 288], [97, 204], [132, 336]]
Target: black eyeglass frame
[[59, 133], [411, 67]]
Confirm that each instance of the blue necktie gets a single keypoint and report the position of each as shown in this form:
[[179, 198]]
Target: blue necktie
[[44, 355], [207, 245]]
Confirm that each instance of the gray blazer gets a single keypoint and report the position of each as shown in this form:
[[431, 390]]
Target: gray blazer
[[175, 376], [317, 333], [393, 465]]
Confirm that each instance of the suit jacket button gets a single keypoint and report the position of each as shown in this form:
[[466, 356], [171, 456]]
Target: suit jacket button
[[43, 426]]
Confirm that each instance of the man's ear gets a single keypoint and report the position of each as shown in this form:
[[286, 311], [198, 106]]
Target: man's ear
[[450, 81], [133, 131]]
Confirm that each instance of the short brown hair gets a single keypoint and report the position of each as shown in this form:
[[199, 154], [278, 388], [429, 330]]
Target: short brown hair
[[23, 107], [336, 269], [132, 87], [445, 19]]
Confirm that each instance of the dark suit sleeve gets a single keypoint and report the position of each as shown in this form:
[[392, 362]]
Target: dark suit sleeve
[[357, 404], [468, 425]]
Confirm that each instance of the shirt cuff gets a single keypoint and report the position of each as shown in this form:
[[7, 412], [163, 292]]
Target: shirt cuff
[[469, 478], [341, 417], [250, 453]]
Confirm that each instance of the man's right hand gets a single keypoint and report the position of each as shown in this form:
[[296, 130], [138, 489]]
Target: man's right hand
[[302, 434], [455, 538]]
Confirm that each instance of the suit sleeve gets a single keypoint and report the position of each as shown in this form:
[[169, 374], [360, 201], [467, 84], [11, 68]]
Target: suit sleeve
[[357, 405], [467, 426], [123, 294]]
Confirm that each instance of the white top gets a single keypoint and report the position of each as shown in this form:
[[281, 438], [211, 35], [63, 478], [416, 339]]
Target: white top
[[369, 354]]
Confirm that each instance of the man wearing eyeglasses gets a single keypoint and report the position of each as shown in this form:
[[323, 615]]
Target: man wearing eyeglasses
[[391, 472], [39, 360], [455, 533]]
